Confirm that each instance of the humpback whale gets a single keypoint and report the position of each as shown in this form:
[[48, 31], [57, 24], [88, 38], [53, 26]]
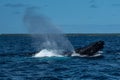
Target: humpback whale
[[91, 49]]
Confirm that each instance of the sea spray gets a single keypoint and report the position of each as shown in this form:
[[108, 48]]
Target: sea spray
[[48, 53], [47, 37]]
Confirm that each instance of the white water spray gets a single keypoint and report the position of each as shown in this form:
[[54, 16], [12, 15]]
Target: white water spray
[[47, 53], [52, 41]]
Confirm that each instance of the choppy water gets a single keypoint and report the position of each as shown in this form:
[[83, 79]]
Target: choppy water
[[17, 64]]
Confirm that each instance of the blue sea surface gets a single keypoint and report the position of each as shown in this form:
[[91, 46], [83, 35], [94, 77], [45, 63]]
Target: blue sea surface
[[17, 63]]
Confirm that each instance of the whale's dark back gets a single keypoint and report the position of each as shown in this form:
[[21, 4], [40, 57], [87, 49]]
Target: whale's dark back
[[91, 49]]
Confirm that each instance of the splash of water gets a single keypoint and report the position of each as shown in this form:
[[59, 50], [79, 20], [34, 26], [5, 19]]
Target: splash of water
[[47, 53], [50, 36]]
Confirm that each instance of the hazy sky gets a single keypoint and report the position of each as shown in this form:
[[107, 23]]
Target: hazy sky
[[71, 16]]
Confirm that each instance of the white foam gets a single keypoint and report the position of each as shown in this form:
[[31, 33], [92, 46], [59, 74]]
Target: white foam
[[96, 55], [47, 53], [78, 55], [75, 54]]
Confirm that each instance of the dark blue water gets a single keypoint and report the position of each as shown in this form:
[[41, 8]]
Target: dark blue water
[[16, 63]]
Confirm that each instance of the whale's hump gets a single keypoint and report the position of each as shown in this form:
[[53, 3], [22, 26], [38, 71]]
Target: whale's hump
[[90, 49]]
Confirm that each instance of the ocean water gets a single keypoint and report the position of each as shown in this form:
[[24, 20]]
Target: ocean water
[[17, 63]]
